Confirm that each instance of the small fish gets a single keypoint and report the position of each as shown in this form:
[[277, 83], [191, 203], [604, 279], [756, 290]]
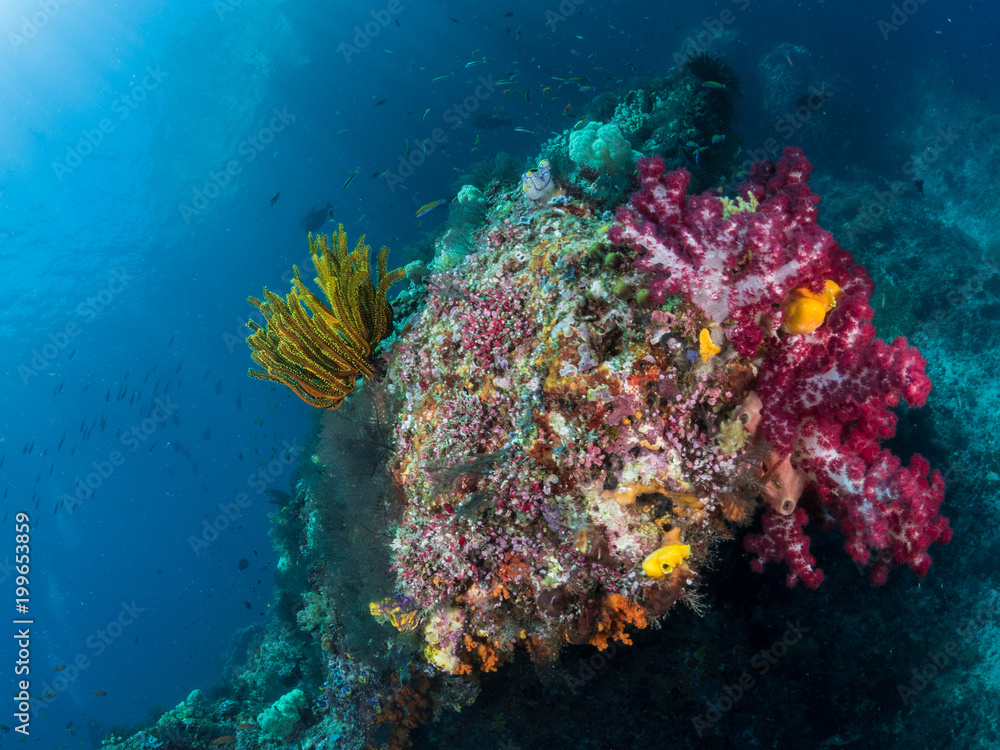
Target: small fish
[[567, 108], [380, 102], [246, 725], [100, 692], [713, 85], [718, 139], [524, 130], [426, 112], [343, 130], [428, 207], [274, 198], [476, 62], [406, 146], [58, 667], [440, 78], [224, 740], [350, 179]]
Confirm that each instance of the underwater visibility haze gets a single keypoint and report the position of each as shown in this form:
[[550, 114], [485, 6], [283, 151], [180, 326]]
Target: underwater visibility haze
[[575, 374]]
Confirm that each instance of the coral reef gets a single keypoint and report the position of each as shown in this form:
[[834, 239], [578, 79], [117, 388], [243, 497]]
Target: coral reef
[[575, 411]]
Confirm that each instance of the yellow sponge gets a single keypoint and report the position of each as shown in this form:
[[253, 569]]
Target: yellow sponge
[[665, 559]]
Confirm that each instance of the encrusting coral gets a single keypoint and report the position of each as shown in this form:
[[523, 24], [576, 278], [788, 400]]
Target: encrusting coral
[[316, 349]]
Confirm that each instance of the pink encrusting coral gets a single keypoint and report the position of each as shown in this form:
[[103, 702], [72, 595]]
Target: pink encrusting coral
[[826, 394]]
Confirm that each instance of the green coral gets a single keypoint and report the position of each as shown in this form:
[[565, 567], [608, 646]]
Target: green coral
[[739, 206], [601, 147], [630, 114], [279, 720]]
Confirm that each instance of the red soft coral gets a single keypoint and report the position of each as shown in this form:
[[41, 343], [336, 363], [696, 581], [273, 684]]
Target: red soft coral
[[826, 395], [736, 269]]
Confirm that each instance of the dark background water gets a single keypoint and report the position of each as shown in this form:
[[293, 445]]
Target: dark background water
[[219, 76]]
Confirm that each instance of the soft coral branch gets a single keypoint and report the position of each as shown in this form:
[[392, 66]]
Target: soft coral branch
[[826, 395]]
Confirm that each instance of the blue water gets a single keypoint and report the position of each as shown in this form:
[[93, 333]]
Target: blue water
[[117, 278]]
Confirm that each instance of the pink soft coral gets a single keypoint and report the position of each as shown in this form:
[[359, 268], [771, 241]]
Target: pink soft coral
[[826, 395]]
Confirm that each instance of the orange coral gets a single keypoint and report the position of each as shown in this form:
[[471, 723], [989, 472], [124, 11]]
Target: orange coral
[[616, 613], [406, 709], [511, 572], [485, 654]]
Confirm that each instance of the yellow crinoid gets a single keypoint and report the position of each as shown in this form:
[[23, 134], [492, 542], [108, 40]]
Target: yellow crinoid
[[319, 349]]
